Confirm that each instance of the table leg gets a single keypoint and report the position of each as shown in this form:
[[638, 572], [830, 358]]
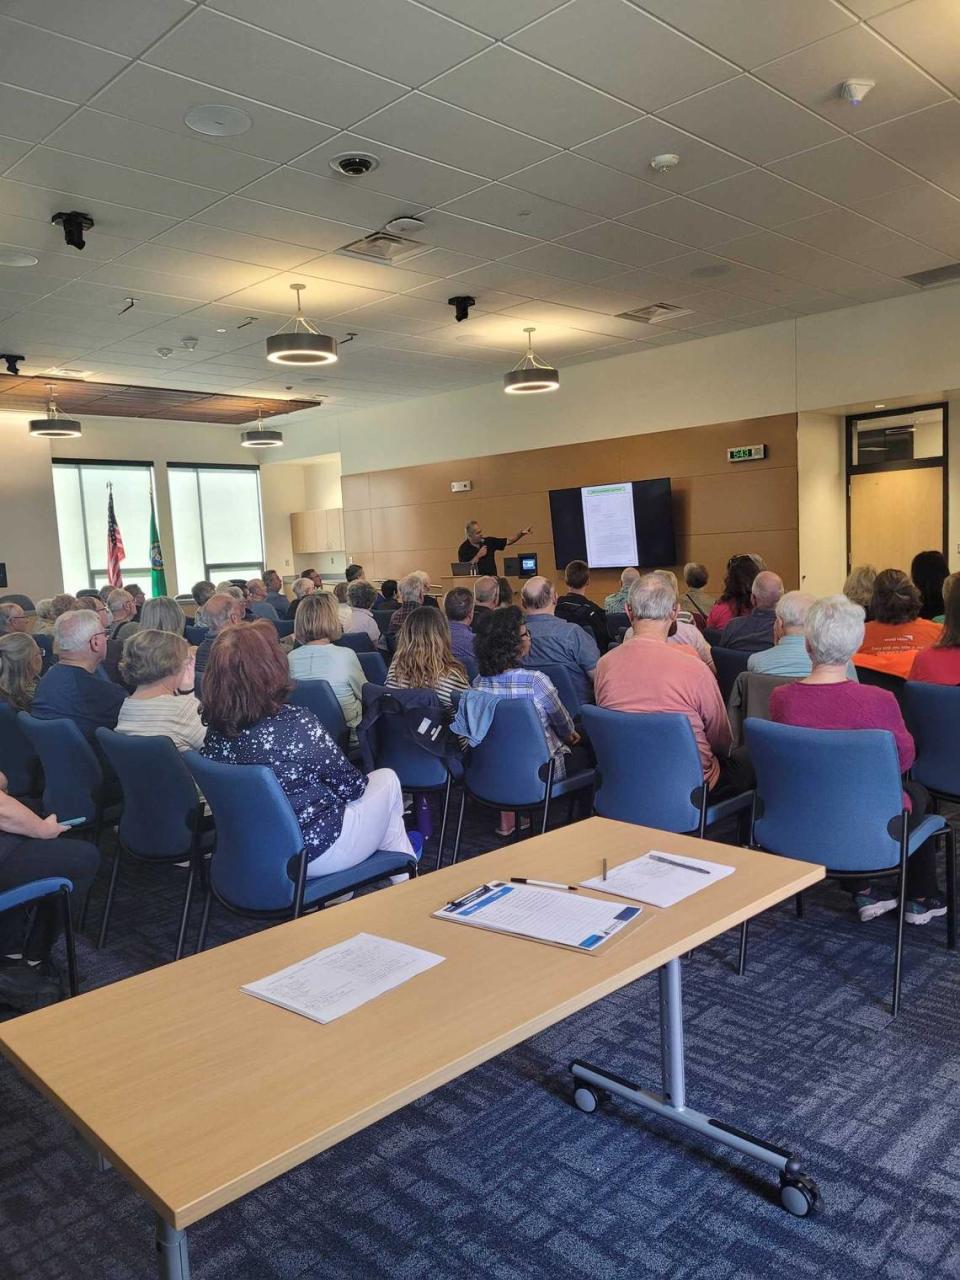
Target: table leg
[[172, 1256], [799, 1194]]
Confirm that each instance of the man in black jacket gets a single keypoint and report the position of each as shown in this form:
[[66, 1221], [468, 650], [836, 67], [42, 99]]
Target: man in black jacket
[[574, 606]]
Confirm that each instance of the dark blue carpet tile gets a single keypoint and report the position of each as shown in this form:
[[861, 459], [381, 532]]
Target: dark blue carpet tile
[[497, 1176]]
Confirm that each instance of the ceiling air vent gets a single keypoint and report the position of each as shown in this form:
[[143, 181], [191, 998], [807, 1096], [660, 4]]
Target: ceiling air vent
[[382, 247], [656, 313], [938, 275]]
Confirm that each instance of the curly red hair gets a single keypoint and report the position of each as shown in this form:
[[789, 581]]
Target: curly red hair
[[246, 678]]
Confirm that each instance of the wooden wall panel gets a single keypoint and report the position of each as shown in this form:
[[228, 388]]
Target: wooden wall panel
[[358, 534], [356, 492]]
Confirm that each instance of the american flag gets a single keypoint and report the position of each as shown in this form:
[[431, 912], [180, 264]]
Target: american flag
[[115, 551]]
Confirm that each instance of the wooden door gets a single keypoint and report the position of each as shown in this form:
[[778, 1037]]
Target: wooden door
[[895, 514]]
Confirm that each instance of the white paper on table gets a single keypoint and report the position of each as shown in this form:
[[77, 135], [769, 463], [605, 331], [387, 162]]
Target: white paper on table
[[341, 978], [545, 915], [661, 884]]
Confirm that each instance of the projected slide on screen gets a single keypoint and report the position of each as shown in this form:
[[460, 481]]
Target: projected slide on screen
[[614, 525]]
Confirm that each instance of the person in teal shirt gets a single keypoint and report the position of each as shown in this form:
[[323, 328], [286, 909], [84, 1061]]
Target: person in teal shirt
[[789, 656]]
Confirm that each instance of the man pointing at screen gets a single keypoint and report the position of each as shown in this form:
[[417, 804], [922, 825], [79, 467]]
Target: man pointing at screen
[[479, 549]]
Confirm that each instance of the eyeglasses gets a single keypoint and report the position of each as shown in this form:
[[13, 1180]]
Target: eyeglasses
[[524, 635]]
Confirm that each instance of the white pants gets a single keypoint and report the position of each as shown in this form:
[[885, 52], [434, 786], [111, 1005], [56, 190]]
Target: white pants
[[373, 822]]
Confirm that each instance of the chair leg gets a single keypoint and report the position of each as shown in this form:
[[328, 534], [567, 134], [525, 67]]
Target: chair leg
[[108, 905], [443, 820], [951, 865], [185, 913], [202, 935], [69, 943], [516, 826], [901, 913], [548, 794], [742, 956], [799, 904], [456, 843]]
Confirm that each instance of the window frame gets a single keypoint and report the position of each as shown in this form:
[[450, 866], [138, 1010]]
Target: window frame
[[210, 568], [105, 464]]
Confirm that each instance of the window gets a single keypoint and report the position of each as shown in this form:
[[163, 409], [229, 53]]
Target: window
[[80, 492], [217, 524]]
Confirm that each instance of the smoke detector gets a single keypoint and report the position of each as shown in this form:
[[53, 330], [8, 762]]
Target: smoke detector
[[218, 120], [665, 162], [164, 352], [404, 226], [854, 91]]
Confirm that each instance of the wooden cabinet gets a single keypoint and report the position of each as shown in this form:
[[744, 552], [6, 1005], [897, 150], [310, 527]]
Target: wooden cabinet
[[318, 530]]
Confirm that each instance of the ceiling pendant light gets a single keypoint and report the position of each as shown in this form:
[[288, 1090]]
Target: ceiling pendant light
[[261, 437], [303, 344], [53, 426], [530, 373]]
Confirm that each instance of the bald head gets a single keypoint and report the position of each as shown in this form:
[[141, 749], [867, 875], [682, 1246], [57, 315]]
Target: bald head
[[767, 590], [538, 595], [629, 576], [222, 611]]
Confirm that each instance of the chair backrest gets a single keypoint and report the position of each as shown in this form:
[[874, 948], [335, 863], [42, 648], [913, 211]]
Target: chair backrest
[[391, 638], [712, 635], [257, 834], [882, 680], [284, 627], [73, 777], [750, 696], [562, 682], [318, 696], [932, 713], [45, 644], [194, 635], [508, 768], [827, 795], [358, 641], [648, 768], [160, 802], [18, 759], [729, 664], [616, 623], [374, 667], [382, 618], [471, 667], [390, 743], [24, 602]]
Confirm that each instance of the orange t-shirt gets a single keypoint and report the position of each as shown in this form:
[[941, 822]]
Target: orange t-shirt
[[892, 646]]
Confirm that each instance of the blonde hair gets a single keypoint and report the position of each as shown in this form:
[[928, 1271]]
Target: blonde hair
[[423, 655], [859, 585], [317, 618], [162, 613], [150, 655], [18, 681]]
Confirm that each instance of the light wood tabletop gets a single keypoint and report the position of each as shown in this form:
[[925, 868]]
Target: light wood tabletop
[[198, 1093]]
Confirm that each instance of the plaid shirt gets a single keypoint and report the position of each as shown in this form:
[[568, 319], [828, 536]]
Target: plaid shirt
[[399, 614], [520, 682]]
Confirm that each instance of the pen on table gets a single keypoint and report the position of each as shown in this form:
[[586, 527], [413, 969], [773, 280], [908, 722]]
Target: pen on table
[[684, 866], [544, 884], [470, 897]]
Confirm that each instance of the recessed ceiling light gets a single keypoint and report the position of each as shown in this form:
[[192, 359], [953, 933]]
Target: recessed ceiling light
[[17, 258], [354, 164], [221, 331], [217, 120]]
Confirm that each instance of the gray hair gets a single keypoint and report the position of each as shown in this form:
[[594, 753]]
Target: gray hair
[[72, 632], [792, 609], [118, 599], [230, 589], [537, 593], [7, 613], [162, 614], [303, 586], [629, 575], [834, 630], [469, 526], [652, 597], [486, 590], [360, 594], [202, 591], [411, 589], [695, 574], [45, 609], [150, 655], [767, 589], [217, 611]]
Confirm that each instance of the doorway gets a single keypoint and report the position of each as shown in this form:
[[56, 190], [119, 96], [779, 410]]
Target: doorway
[[896, 485]]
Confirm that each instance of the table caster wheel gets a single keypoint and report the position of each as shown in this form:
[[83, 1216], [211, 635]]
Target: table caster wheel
[[586, 1098], [799, 1194]]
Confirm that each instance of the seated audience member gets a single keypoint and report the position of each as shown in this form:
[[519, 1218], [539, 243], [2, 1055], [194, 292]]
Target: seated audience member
[[302, 587], [754, 631], [104, 592], [896, 632], [20, 665], [574, 606], [859, 586], [139, 599], [410, 590], [360, 598], [424, 660], [929, 570], [826, 699], [236, 593], [940, 664], [486, 598], [650, 675], [220, 611], [162, 613], [458, 605], [30, 850], [340, 592], [158, 665], [314, 578], [122, 613], [13, 621], [274, 585], [44, 618], [428, 599], [388, 596], [948, 584], [682, 634], [316, 627], [789, 656], [63, 603], [553, 640], [344, 816], [616, 602], [201, 592], [353, 572], [504, 591], [110, 667], [71, 689], [734, 600], [257, 601], [695, 599]]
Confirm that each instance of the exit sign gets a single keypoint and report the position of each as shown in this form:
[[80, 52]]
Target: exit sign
[[747, 453]]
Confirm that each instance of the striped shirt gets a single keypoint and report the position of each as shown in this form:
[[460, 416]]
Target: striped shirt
[[173, 716], [522, 682]]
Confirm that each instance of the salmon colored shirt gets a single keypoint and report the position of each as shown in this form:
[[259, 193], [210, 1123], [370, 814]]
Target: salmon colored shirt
[[892, 646], [650, 675]]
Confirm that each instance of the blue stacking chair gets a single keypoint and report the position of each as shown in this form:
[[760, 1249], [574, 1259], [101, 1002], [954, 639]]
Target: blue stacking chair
[[616, 622], [374, 667], [259, 863], [318, 696], [284, 628], [45, 645], [162, 819], [562, 682], [932, 713], [649, 772], [73, 776], [358, 641], [18, 759], [25, 895], [512, 768], [729, 664], [835, 797]]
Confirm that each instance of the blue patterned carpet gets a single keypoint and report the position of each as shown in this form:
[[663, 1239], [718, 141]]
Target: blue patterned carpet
[[497, 1176]]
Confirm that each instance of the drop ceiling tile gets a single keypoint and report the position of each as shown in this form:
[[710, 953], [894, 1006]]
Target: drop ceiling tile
[[495, 17], [117, 25], [320, 298], [760, 196], [750, 120], [447, 231], [624, 244], [927, 141], [242, 60], [28, 115], [505, 86], [64, 265], [106, 137], [878, 293], [369, 275], [249, 216], [558, 260], [521, 211], [839, 231], [870, 8], [623, 51], [401, 41], [135, 282], [901, 257], [156, 97], [752, 31], [217, 272], [923, 212], [486, 299], [768, 251], [443, 132], [681, 219], [11, 150], [844, 171], [510, 276], [399, 173], [34, 283], [539, 313], [582, 183], [339, 201], [607, 298], [716, 303], [34, 59], [443, 262], [812, 76], [634, 146], [58, 171], [928, 31], [195, 237]]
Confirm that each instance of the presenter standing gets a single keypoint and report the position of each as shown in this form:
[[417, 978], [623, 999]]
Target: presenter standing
[[479, 550]]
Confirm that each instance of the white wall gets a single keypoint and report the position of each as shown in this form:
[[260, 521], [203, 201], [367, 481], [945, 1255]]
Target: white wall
[[821, 468], [28, 525]]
